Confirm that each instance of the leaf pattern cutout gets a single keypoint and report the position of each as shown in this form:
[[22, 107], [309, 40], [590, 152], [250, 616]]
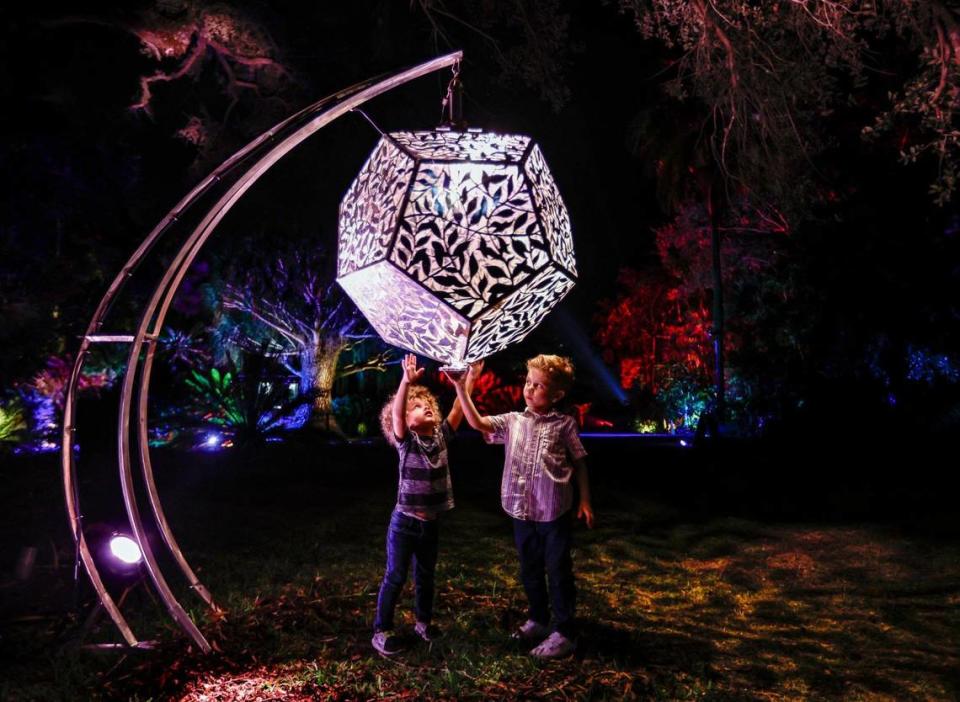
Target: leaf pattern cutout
[[465, 230]]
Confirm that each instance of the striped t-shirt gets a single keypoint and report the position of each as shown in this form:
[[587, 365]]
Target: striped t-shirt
[[537, 467], [425, 489]]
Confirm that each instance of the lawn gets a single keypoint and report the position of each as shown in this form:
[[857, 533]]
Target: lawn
[[699, 582]]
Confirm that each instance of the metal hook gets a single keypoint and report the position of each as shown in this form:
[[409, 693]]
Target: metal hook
[[451, 107]]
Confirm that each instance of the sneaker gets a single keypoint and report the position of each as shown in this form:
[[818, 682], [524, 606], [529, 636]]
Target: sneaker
[[530, 631], [427, 632], [555, 646], [386, 643]]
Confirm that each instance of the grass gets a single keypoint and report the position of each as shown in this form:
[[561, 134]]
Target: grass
[[676, 603]]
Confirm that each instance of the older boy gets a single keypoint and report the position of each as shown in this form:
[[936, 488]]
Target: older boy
[[543, 453]]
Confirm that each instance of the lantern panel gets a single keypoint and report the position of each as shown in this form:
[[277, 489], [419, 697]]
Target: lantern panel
[[518, 315], [469, 232], [553, 213], [404, 313], [369, 210], [444, 145]]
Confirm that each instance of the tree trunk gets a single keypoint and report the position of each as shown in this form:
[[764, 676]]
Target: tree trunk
[[718, 320], [318, 370]]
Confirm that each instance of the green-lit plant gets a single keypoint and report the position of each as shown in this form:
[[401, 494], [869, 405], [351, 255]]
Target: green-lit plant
[[247, 405], [12, 423]]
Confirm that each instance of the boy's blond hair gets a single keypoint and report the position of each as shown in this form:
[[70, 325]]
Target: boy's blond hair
[[559, 369], [414, 392]]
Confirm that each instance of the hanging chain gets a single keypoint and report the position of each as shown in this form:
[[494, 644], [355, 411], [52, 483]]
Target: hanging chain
[[451, 113]]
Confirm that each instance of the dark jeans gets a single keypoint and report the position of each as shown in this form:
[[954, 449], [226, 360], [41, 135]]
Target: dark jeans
[[408, 539], [544, 550]]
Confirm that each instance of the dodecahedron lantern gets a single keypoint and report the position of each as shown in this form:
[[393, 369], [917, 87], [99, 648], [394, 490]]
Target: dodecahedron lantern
[[455, 244]]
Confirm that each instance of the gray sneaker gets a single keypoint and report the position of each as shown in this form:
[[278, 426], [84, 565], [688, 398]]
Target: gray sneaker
[[530, 631], [554, 646], [386, 643]]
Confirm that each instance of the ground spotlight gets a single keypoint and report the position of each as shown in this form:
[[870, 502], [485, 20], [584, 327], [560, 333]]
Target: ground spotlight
[[125, 549]]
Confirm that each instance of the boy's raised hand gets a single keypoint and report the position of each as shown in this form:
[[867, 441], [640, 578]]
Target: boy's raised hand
[[410, 370], [466, 380]]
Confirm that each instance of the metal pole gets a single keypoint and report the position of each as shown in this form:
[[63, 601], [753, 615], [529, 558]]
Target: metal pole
[[319, 114], [342, 103]]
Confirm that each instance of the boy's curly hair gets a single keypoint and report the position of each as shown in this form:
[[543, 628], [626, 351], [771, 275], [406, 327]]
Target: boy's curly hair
[[558, 368], [414, 392]]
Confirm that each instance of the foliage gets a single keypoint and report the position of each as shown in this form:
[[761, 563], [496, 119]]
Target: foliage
[[356, 414], [652, 325], [683, 397], [919, 385], [530, 42], [493, 395], [183, 349], [248, 406], [290, 307], [202, 45], [926, 366], [12, 423], [749, 250], [769, 76], [41, 399]]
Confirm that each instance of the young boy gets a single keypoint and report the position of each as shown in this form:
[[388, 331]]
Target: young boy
[[411, 421], [543, 453]]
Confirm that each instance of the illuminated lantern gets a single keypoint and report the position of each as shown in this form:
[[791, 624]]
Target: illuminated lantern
[[455, 244]]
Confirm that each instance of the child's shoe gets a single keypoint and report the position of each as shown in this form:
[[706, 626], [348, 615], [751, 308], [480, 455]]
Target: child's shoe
[[386, 643], [427, 632], [530, 631], [555, 646]]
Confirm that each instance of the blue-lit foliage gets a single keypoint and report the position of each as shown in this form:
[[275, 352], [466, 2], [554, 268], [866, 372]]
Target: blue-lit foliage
[[684, 397], [42, 420], [240, 406], [925, 366], [182, 349], [355, 414]]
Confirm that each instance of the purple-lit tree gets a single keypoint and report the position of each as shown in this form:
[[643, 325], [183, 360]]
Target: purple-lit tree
[[307, 323]]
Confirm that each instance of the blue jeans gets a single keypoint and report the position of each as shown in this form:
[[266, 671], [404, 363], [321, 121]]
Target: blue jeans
[[408, 539], [544, 550]]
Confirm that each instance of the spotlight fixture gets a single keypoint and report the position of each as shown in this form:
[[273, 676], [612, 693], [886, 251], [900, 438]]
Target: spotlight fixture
[[125, 549]]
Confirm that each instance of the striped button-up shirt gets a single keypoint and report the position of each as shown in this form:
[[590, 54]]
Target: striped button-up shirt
[[538, 466]]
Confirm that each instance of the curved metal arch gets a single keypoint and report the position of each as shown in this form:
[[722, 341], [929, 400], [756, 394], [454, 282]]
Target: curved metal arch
[[288, 134]]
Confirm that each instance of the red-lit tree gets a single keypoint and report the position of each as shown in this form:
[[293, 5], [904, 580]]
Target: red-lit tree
[[661, 320], [651, 325]]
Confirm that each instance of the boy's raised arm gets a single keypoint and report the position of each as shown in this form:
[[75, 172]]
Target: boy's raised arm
[[474, 419], [456, 412], [410, 374]]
